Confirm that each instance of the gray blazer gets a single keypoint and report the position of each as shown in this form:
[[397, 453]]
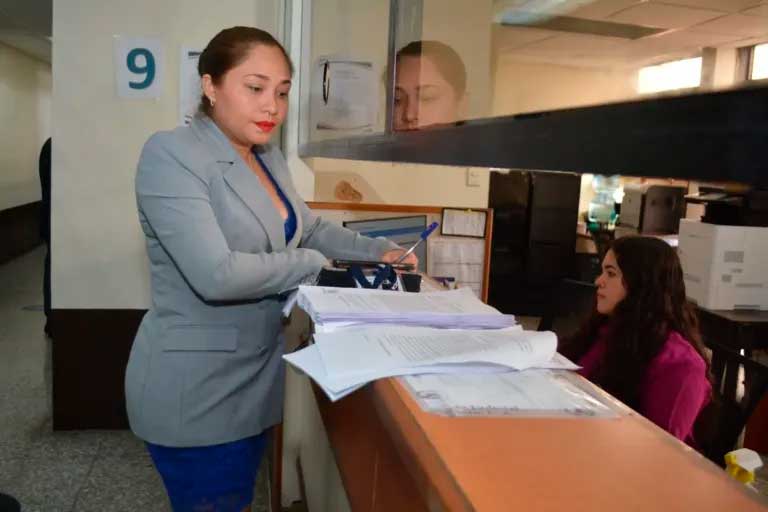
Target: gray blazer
[[206, 367]]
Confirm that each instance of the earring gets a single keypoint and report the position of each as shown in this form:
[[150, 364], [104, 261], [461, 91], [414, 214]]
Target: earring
[[212, 101]]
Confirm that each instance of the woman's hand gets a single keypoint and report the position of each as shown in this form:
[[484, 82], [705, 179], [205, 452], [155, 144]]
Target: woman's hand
[[393, 255]]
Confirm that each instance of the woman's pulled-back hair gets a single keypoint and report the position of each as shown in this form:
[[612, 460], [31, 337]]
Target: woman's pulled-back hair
[[229, 48], [655, 304]]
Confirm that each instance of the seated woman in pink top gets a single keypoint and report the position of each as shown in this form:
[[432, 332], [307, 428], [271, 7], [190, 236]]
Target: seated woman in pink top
[[642, 343]]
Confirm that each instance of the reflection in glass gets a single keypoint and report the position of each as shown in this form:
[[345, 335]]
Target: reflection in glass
[[554, 54], [430, 86]]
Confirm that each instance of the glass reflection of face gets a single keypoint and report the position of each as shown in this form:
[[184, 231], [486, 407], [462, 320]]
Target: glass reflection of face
[[422, 95]]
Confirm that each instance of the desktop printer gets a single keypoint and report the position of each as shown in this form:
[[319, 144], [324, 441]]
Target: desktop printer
[[724, 266]]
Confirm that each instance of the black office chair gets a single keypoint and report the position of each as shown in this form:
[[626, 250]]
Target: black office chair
[[9, 504], [570, 306], [720, 424]]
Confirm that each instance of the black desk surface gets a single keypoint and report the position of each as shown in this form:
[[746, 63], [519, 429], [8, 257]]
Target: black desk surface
[[744, 316]]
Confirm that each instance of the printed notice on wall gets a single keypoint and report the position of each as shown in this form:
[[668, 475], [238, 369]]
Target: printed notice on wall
[[139, 67], [457, 222], [460, 258], [345, 95], [189, 85]]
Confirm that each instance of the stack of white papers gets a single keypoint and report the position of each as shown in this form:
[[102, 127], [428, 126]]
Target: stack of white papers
[[455, 309], [343, 361]]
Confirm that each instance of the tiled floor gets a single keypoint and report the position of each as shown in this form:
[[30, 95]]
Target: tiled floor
[[104, 471]]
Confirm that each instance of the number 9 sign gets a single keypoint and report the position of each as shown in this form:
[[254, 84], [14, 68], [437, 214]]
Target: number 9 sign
[[138, 67]]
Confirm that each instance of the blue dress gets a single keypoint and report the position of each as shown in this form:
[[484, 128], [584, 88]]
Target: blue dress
[[290, 221], [220, 477], [216, 478]]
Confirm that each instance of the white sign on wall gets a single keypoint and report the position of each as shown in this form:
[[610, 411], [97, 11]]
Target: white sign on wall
[[189, 85], [139, 66], [345, 94]]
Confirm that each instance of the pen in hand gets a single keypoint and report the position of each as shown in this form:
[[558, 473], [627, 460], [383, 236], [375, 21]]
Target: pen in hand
[[423, 236]]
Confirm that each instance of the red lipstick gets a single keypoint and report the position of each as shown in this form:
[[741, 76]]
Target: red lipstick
[[266, 126]]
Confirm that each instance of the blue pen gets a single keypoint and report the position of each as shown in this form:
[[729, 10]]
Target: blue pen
[[423, 236]]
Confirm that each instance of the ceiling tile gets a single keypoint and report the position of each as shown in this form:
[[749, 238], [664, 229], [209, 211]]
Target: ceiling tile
[[515, 37], [717, 5], [664, 16], [737, 25], [602, 9], [760, 10], [678, 42], [576, 44]]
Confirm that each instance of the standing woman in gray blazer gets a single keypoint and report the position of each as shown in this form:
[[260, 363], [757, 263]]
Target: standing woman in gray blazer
[[227, 237]]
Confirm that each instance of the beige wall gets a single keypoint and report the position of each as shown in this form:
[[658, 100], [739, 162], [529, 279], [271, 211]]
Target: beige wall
[[393, 183], [529, 86], [99, 256], [25, 123], [466, 27]]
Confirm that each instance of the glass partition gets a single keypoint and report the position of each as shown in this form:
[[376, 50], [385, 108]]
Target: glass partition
[[459, 60], [550, 54], [349, 45]]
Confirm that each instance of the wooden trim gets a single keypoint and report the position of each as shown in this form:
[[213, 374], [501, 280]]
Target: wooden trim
[[316, 205], [487, 262]]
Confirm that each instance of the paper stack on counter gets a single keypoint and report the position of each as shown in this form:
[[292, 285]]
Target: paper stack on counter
[[345, 360], [455, 309]]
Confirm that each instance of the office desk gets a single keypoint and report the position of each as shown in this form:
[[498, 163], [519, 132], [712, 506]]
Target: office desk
[[747, 330], [392, 456]]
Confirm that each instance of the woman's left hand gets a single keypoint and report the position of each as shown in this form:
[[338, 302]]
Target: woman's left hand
[[393, 255]]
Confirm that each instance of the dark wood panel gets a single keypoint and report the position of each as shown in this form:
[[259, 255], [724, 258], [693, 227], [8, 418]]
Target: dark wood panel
[[718, 136], [19, 230], [90, 353]]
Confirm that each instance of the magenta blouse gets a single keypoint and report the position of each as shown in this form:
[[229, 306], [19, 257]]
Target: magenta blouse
[[674, 389]]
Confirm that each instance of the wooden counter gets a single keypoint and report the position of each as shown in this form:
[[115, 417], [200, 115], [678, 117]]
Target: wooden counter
[[392, 456]]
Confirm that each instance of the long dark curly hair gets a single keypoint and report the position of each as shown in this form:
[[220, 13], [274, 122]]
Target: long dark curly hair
[[655, 305]]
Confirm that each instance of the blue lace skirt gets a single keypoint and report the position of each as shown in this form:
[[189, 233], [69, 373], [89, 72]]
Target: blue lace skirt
[[217, 478]]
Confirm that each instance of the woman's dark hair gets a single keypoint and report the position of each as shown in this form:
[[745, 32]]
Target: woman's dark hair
[[445, 59], [637, 329], [229, 48]]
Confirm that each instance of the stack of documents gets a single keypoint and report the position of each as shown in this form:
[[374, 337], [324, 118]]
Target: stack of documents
[[362, 335], [343, 361], [455, 309]]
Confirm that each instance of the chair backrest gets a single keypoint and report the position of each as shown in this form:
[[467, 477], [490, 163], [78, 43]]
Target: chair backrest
[[739, 385], [570, 307]]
